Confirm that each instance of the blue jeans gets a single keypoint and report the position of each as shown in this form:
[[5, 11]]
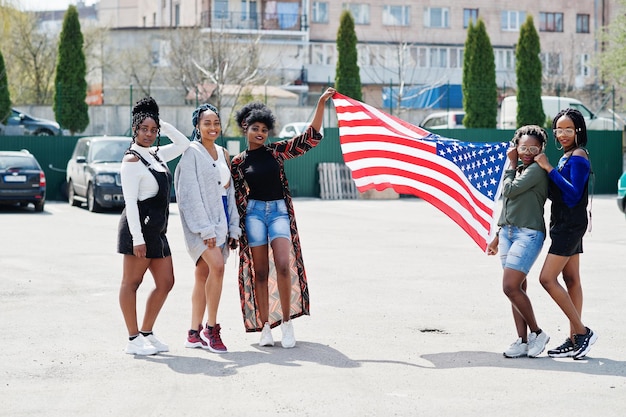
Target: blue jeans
[[519, 247], [266, 220]]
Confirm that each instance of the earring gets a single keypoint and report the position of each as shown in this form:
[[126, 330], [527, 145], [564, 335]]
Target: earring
[[556, 144]]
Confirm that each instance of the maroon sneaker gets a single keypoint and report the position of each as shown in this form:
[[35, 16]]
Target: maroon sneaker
[[211, 335], [194, 340]]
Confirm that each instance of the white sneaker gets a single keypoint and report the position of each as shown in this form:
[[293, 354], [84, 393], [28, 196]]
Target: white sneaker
[[140, 346], [289, 339], [517, 349], [536, 344], [266, 336], [160, 346]]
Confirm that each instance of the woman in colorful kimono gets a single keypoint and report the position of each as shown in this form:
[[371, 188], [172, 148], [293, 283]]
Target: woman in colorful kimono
[[270, 256]]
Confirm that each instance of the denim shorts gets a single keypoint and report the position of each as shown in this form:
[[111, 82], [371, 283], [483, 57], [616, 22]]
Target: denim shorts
[[266, 220], [519, 247]]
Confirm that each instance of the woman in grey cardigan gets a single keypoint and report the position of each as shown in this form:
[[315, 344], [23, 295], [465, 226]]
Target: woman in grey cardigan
[[210, 221]]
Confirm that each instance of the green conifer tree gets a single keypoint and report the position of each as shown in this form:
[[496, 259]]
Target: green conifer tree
[[5, 96], [70, 108], [347, 78], [528, 74], [480, 91]]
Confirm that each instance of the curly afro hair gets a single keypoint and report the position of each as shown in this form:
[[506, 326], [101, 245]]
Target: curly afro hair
[[255, 112]]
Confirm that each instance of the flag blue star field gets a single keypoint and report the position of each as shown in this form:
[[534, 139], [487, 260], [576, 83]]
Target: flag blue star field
[[462, 179]]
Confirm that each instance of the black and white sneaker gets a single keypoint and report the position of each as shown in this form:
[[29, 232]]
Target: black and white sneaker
[[566, 350], [583, 343]]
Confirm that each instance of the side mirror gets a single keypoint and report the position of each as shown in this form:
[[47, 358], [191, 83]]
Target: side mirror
[[81, 159]]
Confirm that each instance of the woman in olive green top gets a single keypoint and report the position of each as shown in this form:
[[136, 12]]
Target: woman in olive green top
[[521, 235]]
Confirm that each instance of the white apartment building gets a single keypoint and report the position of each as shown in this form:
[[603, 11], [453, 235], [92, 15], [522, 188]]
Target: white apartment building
[[416, 44]]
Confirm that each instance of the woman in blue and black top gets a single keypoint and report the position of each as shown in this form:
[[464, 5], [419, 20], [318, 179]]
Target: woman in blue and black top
[[568, 190]]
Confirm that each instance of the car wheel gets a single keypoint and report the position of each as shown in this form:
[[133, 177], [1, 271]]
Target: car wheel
[[92, 204], [71, 195], [43, 132], [39, 206]]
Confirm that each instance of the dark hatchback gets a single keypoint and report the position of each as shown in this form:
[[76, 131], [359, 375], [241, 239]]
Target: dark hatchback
[[22, 181], [25, 124], [93, 172]]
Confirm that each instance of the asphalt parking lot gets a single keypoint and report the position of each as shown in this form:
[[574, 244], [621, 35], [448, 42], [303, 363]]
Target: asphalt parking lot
[[407, 319]]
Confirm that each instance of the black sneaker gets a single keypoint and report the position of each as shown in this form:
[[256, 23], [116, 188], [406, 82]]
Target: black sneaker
[[583, 343], [566, 350]]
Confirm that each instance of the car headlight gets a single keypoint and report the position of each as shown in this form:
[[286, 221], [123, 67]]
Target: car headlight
[[105, 179]]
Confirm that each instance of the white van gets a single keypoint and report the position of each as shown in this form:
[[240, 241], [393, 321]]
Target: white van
[[551, 106]]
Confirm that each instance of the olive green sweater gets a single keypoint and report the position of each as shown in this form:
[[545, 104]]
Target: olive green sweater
[[524, 193]]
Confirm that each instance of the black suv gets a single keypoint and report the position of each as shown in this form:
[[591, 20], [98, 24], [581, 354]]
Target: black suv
[[93, 172], [22, 181]]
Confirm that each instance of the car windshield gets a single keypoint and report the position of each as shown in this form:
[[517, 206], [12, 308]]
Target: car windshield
[[23, 162], [108, 151]]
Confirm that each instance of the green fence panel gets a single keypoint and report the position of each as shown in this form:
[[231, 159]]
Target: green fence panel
[[605, 151], [53, 152]]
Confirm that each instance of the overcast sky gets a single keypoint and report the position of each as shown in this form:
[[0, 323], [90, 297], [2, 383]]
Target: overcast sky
[[47, 4]]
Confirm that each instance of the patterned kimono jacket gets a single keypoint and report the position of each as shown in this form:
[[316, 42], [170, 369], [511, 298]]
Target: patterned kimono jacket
[[282, 150]]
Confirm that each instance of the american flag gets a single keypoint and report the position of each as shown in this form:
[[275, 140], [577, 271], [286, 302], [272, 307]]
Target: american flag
[[462, 179]]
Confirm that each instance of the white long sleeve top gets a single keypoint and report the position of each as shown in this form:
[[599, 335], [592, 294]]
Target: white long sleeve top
[[139, 184]]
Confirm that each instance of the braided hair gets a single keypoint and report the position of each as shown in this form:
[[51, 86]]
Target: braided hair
[[146, 108], [534, 131], [579, 124], [196, 116]]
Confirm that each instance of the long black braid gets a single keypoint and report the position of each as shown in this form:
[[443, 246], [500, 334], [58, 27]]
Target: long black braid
[[579, 124], [145, 108]]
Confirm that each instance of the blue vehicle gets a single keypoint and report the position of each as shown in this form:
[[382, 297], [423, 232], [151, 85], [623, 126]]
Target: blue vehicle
[[621, 193]]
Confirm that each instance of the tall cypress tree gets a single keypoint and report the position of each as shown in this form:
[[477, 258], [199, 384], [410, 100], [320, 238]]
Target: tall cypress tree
[[70, 108], [5, 96], [347, 78], [528, 73], [480, 91]]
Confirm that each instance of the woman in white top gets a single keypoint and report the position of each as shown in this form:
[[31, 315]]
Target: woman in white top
[[146, 184], [210, 220]]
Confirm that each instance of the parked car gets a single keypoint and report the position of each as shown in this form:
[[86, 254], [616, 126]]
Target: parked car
[[621, 193], [292, 129], [93, 172], [22, 181], [444, 120], [20, 123]]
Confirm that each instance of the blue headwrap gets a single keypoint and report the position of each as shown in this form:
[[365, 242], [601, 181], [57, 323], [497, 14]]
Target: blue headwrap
[[196, 115]]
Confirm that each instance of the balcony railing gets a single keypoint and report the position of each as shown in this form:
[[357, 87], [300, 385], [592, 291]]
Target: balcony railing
[[246, 21]]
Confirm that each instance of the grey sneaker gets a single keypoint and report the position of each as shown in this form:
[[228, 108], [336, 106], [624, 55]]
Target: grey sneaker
[[517, 349], [537, 343]]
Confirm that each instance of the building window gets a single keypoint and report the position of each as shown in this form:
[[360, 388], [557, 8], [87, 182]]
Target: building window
[[439, 57], [436, 17], [396, 15], [220, 9], [505, 60], [360, 12], [551, 63], [550, 22], [323, 54], [154, 19], [582, 23], [248, 10], [320, 12], [511, 20], [583, 65], [469, 15], [177, 15]]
